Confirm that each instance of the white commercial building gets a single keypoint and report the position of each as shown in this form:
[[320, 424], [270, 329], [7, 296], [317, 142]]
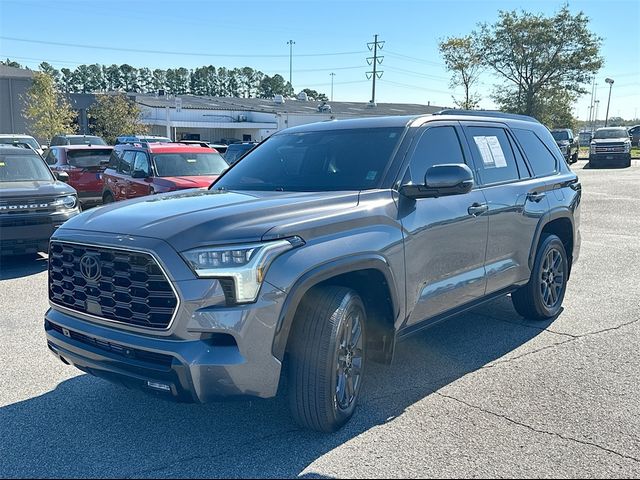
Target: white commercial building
[[216, 119]]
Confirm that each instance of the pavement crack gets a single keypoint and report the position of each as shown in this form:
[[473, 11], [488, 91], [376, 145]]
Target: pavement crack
[[537, 430]]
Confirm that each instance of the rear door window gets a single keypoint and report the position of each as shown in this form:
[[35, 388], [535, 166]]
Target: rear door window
[[495, 160], [540, 158]]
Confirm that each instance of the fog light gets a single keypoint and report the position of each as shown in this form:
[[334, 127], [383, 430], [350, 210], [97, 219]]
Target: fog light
[[159, 386]]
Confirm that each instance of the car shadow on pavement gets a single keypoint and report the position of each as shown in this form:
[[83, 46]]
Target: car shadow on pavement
[[87, 427], [18, 266]]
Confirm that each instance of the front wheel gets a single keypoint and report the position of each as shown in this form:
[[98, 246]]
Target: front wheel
[[327, 358], [574, 158], [107, 198], [542, 297]]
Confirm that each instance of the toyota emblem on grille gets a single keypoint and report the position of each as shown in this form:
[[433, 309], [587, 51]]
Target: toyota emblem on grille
[[90, 267]]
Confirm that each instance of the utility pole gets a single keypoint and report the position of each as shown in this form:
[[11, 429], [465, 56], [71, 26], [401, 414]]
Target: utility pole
[[595, 109], [332, 75], [593, 89], [291, 43], [595, 120], [375, 61]]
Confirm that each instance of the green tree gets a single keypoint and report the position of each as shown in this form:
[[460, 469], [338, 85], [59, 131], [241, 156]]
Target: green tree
[[145, 80], [178, 81], [46, 109], [81, 79], [96, 80], [128, 77], [539, 56], [112, 77], [159, 79], [114, 115], [276, 85], [463, 59], [315, 96], [10, 63], [68, 81], [49, 70]]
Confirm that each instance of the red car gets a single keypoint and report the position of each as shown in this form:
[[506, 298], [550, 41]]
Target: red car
[[84, 164], [140, 169]]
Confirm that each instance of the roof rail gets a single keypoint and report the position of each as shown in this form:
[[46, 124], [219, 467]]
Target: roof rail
[[486, 113]]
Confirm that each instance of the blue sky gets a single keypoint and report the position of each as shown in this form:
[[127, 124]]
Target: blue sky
[[330, 36]]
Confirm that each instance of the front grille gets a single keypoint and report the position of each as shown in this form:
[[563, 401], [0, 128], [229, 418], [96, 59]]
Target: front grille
[[123, 286], [16, 206], [610, 148], [7, 221], [157, 359]]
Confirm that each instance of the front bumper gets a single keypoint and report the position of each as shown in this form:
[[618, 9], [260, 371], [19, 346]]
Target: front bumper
[[606, 159], [211, 352], [27, 233]]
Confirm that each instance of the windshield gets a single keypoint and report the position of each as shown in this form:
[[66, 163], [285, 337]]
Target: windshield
[[563, 135], [23, 168], [613, 133], [88, 158], [86, 140], [352, 159], [155, 140], [18, 140], [189, 164]]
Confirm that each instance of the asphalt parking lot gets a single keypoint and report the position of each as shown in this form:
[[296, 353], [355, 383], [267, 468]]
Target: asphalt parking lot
[[486, 394]]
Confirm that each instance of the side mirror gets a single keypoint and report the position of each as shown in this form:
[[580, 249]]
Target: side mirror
[[62, 176], [139, 174], [442, 180], [44, 146]]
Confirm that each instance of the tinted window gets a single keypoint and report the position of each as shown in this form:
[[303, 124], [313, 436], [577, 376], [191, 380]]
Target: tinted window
[[127, 162], [560, 135], [611, 133], [141, 163], [189, 164], [234, 152], [23, 168], [494, 157], [86, 140], [50, 158], [88, 158], [436, 146], [345, 159], [18, 140], [540, 158]]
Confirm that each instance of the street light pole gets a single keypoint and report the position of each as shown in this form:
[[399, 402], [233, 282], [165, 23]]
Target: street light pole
[[291, 43], [332, 75], [595, 118], [610, 82]]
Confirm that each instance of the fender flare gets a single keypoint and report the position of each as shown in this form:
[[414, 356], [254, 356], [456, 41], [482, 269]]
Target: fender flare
[[319, 274], [555, 214]]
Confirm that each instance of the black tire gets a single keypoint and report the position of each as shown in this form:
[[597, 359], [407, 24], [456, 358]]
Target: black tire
[[107, 198], [574, 158], [542, 297], [319, 358]]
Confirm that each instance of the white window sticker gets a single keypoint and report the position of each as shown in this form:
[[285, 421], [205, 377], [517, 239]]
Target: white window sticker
[[496, 151], [491, 151]]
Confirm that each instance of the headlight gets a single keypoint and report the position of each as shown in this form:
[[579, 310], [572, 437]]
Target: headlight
[[68, 201], [246, 264], [593, 148], [627, 147]]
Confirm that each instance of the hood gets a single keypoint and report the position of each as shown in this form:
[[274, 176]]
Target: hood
[[44, 188], [194, 218], [187, 182], [611, 140]]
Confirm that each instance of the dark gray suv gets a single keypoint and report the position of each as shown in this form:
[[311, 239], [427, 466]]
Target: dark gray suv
[[313, 256]]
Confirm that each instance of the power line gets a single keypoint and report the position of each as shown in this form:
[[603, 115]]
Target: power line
[[165, 52], [414, 59], [416, 87], [417, 74]]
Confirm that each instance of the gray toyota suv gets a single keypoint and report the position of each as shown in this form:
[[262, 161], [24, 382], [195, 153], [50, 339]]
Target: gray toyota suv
[[313, 256]]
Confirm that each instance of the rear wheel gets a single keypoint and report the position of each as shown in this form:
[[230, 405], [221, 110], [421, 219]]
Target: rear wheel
[[326, 358], [574, 158], [542, 297]]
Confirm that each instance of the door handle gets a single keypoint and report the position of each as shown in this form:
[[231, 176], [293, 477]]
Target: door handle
[[536, 197], [477, 209]]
